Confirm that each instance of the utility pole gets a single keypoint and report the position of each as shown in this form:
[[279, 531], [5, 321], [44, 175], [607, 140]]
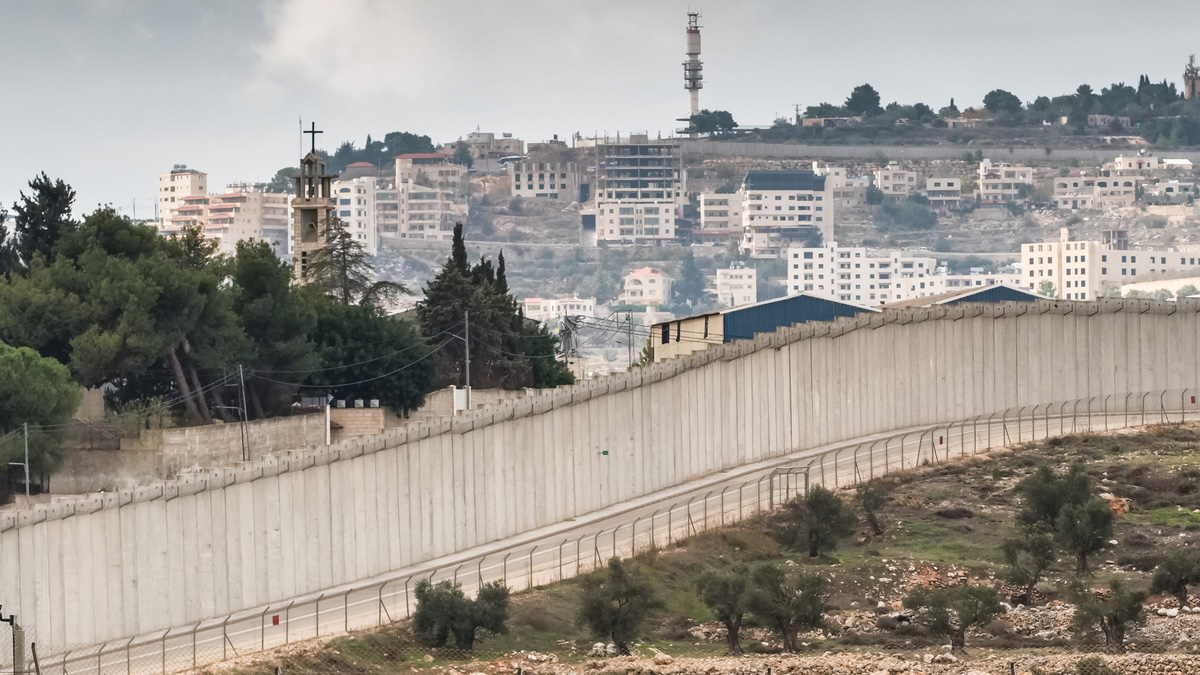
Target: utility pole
[[467, 340], [26, 427], [629, 336], [242, 386]]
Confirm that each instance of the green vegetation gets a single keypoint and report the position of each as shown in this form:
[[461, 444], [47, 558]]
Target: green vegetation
[[444, 611], [815, 522], [1177, 571], [614, 606], [788, 601], [952, 612], [728, 594], [38, 391], [1111, 615]]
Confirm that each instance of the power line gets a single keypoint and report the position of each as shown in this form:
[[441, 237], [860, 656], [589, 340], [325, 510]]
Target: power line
[[337, 385], [359, 363]]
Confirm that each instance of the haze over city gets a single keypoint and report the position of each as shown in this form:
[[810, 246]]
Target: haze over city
[[131, 86]]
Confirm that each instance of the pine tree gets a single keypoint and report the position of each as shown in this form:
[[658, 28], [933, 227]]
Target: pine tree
[[42, 217], [342, 270]]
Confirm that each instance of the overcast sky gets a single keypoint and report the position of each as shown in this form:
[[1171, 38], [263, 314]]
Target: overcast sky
[[107, 93]]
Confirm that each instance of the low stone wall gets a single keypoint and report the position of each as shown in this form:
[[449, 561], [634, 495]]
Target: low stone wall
[[159, 454]]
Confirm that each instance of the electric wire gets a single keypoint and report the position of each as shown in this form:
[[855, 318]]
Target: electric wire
[[338, 385]]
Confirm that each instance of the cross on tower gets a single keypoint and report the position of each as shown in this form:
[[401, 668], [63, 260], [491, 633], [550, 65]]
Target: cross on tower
[[314, 133]]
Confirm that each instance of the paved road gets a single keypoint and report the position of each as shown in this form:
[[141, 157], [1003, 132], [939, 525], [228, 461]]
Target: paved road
[[582, 544]]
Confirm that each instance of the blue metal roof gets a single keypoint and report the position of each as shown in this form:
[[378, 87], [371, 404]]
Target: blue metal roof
[[995, 293], [741, 323]]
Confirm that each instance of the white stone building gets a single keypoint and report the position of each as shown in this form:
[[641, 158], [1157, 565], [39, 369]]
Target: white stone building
[[549, 309], [869, 277], [646, 286], [1002, 183], [361, 204], [897, 183], [174, 186], [782, 209], [737, 285], [1083, 270], [545, 180], [720, 217], [431, 196]]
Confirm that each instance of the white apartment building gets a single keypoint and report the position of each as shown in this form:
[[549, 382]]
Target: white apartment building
[[550, 309], [1125, 164], [431, 195], [646, 286], [1082, 270], [868, 277], [545, 180], [737, 286], [897, 183], [359, 204], [944, 193], [173, 186], [245, 211], [1095, 192], [845, 191], [720, 217], [782, 209], [1001, 183], [639, 192]]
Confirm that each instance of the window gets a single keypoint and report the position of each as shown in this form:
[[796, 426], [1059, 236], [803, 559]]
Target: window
[[666, 333]]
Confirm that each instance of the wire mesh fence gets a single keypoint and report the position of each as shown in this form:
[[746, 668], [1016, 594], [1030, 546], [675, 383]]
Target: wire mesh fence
[[585, 547]]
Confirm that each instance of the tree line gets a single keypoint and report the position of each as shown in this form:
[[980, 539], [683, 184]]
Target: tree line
[[171, 324], [1059, 512]]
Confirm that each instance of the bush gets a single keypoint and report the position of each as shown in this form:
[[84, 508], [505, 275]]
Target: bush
[[615, 604], [788, 602], [951, 612], [871, 499], [1084, 529], [727, 595], [444, 611], [816, 521], [908, 215], [1112, 616], [1028, 558], [1175, 573], [1045, 494], [1093, 665]]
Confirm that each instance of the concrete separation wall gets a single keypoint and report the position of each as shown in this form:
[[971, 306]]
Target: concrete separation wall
[[907, 152], [97, 568]]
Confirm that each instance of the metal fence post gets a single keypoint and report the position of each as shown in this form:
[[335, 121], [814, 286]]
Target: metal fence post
[[407, 610], [18, 636], [194, 631], [346, 608], [531, 552], [164, 653], [129, 656], [504, 568], [560, 558], [317, 615]]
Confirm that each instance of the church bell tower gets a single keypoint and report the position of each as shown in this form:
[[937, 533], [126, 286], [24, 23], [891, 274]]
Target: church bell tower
[[312, 208]]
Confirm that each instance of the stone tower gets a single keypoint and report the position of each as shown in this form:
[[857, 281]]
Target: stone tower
[[312, 209], [1191, 78]]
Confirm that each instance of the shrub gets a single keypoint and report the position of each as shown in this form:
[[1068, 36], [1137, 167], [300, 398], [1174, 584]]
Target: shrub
[[951, 612], [788, 602], [727, 595], [615, 604], [1175, 573], [1084, 529], [1045, 494], [1028, 557], [444, 611], [816, 521], [1112, 616], [871, 499]]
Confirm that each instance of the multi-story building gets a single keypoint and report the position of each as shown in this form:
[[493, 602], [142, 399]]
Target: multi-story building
[[646, 286], [549, 309], [174, 186], [944, 193], [869, 277], [782, 209], [639, 191], [431, 195], [1139, 163], [720, 217], [360, 206], [896, 183], [484, 144], [845, 191], [1095, 192], [1082, 270], [245, 211], [737, 285], [545, 180], [1002, 183]]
